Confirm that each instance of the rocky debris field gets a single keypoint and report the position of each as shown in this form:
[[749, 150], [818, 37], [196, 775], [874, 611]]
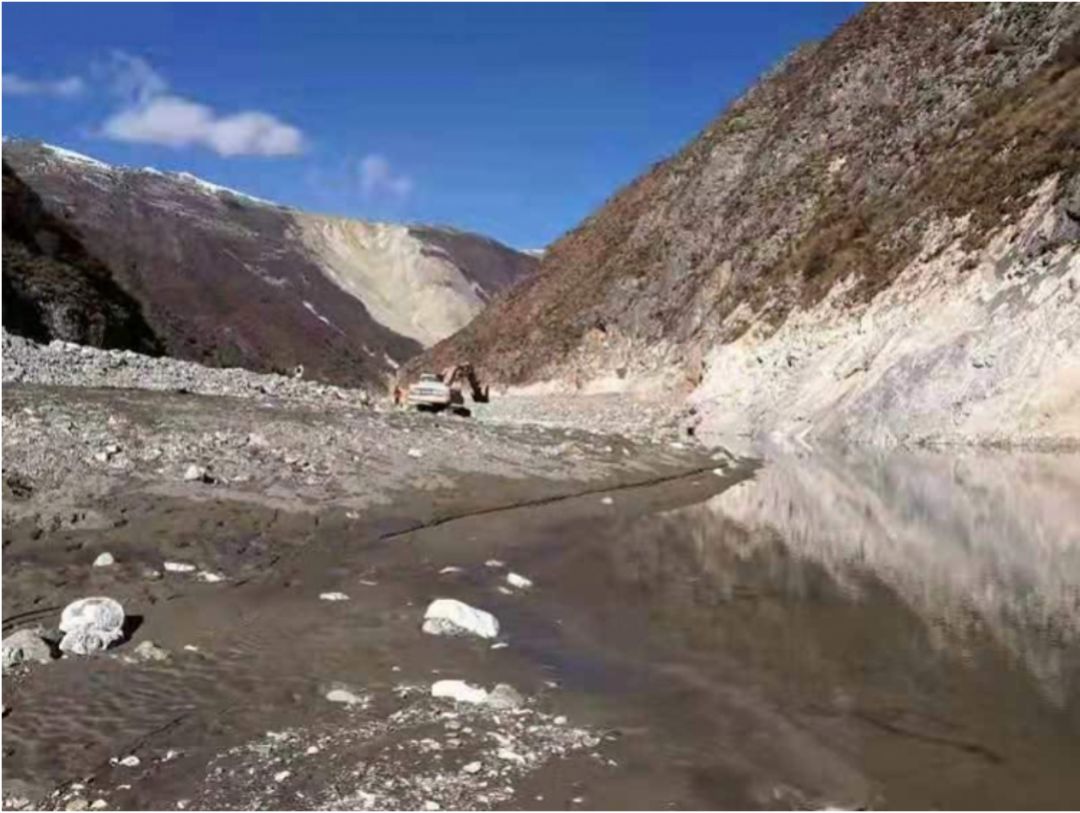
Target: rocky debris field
[[68, 364], [262, 639], [85, 421], [647, 418], [459, 757]]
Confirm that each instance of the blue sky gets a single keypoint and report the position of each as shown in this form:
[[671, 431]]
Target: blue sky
[[512, 120]]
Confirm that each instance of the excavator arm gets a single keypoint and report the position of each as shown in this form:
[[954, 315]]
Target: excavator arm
[[454, 375]]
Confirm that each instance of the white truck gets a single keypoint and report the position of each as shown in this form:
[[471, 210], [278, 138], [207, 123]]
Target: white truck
[[430, 393], [436, 392]]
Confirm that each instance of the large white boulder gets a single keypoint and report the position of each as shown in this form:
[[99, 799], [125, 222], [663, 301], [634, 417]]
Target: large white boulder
[[448, 616], [91, 625]]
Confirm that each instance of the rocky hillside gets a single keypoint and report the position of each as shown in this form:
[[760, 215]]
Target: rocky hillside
[[53, 288], [878, 240], [225, 279]]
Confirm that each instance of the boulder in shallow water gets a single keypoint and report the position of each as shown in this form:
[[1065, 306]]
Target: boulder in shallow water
[[448, 616]]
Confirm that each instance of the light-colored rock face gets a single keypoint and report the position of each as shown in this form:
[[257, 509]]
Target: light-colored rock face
[[413, 289], [966, 347]]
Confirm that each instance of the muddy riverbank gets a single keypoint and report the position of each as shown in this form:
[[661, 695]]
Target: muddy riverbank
[[267, 504]]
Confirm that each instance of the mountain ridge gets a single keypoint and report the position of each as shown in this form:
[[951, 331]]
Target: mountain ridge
[[228, 279]]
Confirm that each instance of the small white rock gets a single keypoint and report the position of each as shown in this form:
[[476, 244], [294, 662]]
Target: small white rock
[[607, 501], [343, 696], [510, 756], [333, 596], [104, 560], [179, 567], [473, 767], [449, 569], [98, 804], [281, 776], [212, 578], [130, 761], [447, 616], [193, 473], [560, 720], [518, 581], [495, 563], [459, 691], [312, 750], [431, 805], [415, 453]]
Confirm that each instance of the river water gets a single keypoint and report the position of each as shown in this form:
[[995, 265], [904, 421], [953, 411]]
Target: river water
[[839, 628]]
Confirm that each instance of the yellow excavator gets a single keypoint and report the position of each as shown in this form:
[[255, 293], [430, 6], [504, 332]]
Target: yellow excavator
[[457, 376], [436, 392]]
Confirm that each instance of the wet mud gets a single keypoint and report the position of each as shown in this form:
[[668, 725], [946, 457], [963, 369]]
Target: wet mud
[[755, 639]]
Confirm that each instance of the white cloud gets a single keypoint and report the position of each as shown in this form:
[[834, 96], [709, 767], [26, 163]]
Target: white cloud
[[64, 88], [176, 122], [152, 115], [131, 77], [378, 180]]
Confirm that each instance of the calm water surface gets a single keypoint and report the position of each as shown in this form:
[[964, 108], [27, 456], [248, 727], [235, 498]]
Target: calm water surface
[[895, 630]]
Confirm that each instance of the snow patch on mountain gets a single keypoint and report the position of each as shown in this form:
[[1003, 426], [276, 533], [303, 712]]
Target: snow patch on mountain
[[78, 157]]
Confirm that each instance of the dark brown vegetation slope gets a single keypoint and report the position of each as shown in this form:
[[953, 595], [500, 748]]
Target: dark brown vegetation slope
[[54, 289], [831, 166]]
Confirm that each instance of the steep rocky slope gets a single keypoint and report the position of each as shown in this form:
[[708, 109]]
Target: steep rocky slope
[[879, 240], [53, 289], [421, 282], [229, 280]]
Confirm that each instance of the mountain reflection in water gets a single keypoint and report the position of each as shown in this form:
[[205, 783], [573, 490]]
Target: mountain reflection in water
[[974, 545], [917, 613]]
